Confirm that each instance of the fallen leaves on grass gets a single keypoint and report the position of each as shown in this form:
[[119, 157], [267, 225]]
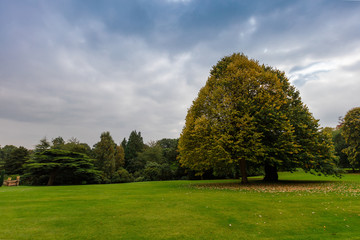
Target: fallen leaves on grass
[[352, 188]]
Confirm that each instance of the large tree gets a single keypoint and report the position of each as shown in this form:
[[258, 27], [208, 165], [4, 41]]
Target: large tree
[[351, 133], [249, 113], [60, 166]]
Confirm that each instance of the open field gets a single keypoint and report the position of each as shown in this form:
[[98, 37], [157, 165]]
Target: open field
[[311, 208]]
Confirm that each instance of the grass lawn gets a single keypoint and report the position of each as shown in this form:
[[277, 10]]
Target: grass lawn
[[311, 208]]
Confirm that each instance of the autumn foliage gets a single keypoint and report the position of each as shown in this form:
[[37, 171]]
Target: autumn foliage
[[249, 114]]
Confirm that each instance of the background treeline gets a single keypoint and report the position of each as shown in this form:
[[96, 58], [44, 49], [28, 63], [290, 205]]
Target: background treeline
[[71, 162]]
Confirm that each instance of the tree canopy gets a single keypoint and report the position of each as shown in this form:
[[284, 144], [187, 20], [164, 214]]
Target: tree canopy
[[249, 113]]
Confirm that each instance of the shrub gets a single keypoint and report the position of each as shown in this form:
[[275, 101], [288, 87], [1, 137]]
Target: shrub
[[166, 172], [152, 171], [139, 179], [122, 176]]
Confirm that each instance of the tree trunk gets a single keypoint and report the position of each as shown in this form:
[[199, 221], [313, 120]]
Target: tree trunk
[[51, 179], [271, 174], [244, 179]]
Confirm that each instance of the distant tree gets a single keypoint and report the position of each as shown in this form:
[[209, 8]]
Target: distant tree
[[74, 145], [58, 143], [351, 134], [340, 145], [152, 163], [62, 167], [169, 149], [250, 114], [134, 146], [119, 157], [124, 143], [7, 150], [15, 159], [104, 152], [43, 145], [153, 153]]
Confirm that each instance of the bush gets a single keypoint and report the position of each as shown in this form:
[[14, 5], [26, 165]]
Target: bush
[[166, 172], [122, 176], [152, 171], [139, 179]]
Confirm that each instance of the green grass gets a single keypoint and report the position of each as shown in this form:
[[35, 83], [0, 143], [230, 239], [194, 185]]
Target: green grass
[[311, 208]]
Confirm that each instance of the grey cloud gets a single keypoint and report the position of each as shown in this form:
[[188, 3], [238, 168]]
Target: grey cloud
[[355, 67], [77, 68]]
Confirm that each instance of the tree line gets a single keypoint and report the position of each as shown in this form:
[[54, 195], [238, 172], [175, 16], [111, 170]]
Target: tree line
[[72, 162]]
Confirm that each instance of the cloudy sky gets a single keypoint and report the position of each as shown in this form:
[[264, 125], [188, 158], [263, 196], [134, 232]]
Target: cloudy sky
[[77, 68]]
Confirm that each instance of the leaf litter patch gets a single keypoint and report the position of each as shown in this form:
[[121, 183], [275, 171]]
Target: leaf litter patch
[[352, 188]]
